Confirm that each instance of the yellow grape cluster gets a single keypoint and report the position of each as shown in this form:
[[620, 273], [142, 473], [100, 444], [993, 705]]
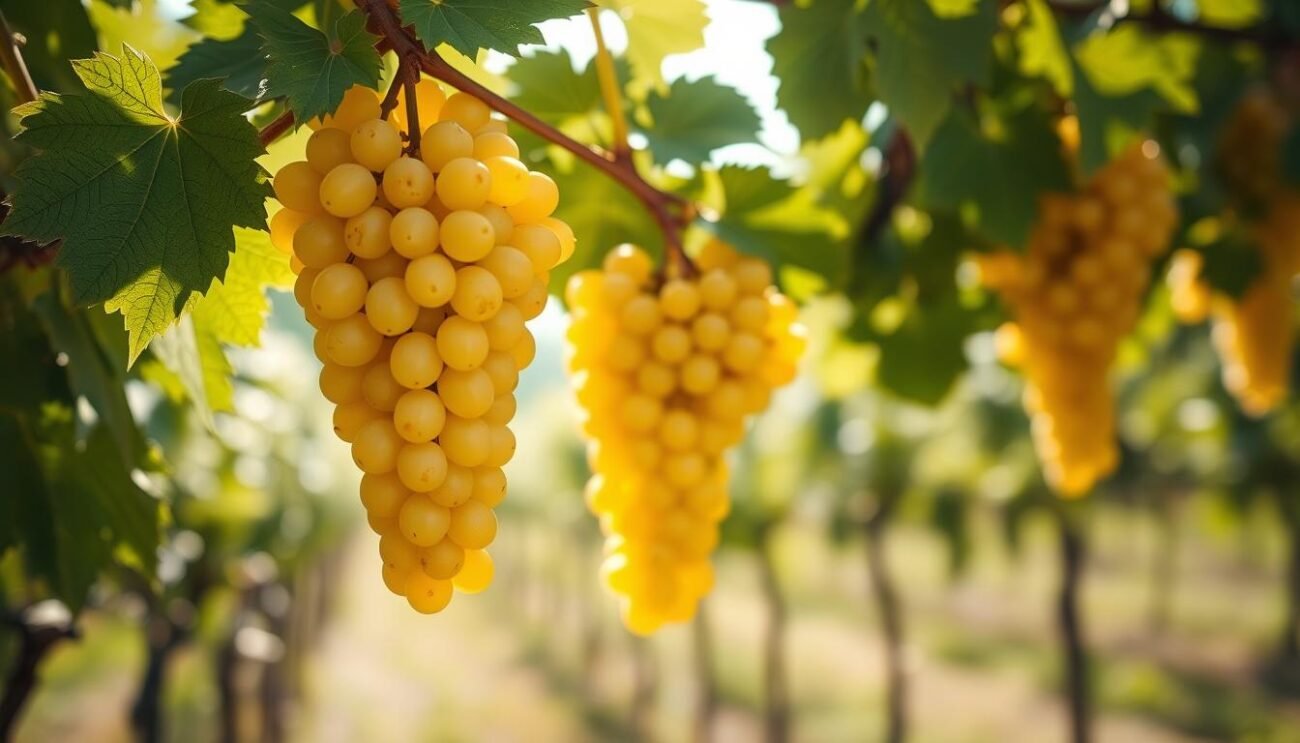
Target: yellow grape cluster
[[1073, 294], [1255, 332], [418, 271], [665, 371]]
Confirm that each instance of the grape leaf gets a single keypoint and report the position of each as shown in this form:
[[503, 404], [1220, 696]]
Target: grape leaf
[[922, 358], [233, 312], [819, 57], [194, 365], [238, 62], [1230, 13], [750, 189], [995, 176], [219, 19], [76, 508], [310, 68], [768, 217], [145, 202], [92, 374], [1109, 122], [696, 118], [1122, 79], [922, 59], [145, 27], [547, 85], [658, 28], [29, 373], [1126, 60], [1042, 50], [470, 25]]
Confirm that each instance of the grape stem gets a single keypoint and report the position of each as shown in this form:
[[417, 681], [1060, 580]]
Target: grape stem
[[394, 87], [11, 57], [272, 131], [609, 89], [412, 111], [670, 211]]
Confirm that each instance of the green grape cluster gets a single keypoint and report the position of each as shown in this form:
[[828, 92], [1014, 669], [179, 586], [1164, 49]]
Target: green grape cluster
[[1250, 332], [419, 271], [665, 371], [1074, 293]]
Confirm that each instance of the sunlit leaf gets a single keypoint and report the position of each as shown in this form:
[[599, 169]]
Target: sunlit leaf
[[658, 28], [1042, 50], [145, 203], [697, 117]]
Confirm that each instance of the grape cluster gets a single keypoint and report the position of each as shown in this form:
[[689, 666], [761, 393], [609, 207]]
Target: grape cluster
[[665, 371], [1253, 333], [418, 272], [1074, 293]]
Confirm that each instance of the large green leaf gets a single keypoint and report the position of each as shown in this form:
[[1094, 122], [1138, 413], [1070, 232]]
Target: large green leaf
[[145, 202], [993, 174], [923, 59], [697, 117], [311, 68], [820, 59], [470, 25], [239, 63], [658, 28]]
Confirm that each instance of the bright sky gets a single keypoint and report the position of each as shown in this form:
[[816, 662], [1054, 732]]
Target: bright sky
[[733, 52]]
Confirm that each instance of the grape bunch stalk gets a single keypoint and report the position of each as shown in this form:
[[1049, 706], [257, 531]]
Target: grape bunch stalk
[[1254, 333], [419, 267], [1074, 294], [665, 370]]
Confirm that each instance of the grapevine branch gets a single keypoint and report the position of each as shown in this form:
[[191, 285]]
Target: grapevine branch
[[669, 210]]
